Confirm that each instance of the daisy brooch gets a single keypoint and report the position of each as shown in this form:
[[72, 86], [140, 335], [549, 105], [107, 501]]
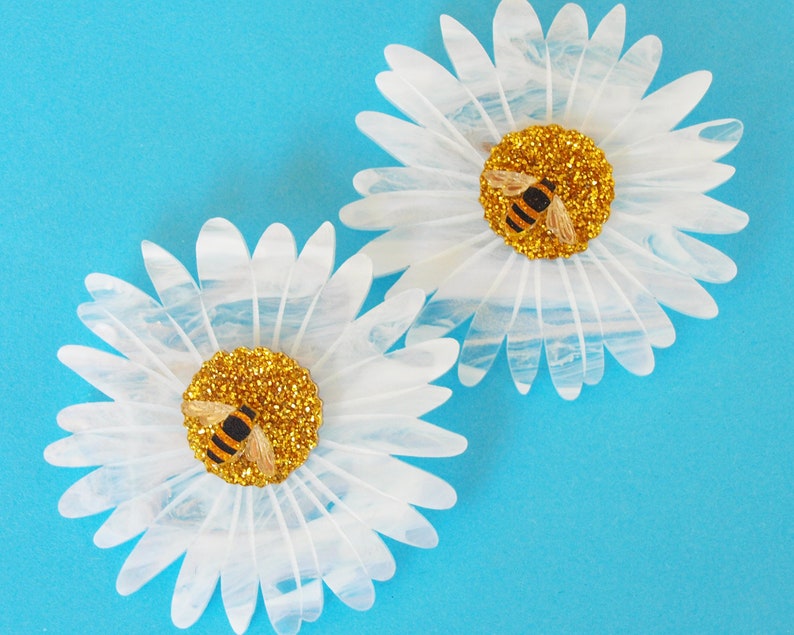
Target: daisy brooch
[[253, 426], [546, 195]]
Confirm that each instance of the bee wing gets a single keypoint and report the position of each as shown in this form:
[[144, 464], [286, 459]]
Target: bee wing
[[509, 183], [259, 450], [559, 222], [210, 412]]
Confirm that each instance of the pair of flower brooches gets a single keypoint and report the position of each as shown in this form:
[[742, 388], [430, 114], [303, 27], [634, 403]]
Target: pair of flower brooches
[[542, 194]]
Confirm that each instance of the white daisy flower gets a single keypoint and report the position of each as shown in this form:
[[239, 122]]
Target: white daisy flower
[[545, 195], [281, 470]]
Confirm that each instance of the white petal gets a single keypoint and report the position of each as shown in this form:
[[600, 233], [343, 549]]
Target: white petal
[[660, 111], [490, 324], [392, 434], [374, 554], [521, 61], [525, 337], [380, 180], [692, 178], [111, 485], [134, 516], [624, 333], [397, 249], [114, 445], [403, 369], [392, 209], [670, 287], [272, 262], [416, 106], [309, 274], [563, 334], [393, 477], [413, 401], [198, 575], [461, 293], [623, 88], [601, 54], [340, 564], [417, 146], [565, 47], [690, 147], [239, 576], [428, 273], [387, 515], [307, 569], [589, 320], [654, 320], [104, 415], [476, 72], [336, 306], [687, 254], [119, 378], [138, 327], [171, 533], [690, 211], [446, 93], [180, 297], [279, 572], [370, 335], [227, 283]]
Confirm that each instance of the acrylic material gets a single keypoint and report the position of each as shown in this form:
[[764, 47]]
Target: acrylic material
[[319, 526], [608, 297]]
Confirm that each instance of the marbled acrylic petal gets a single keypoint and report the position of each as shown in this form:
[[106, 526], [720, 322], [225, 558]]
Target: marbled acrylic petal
[[563, 335], [525, 337], [476, 71], [392, 434], [239, 577], [413, 145], [392, 209], [227, 283], [180, 297], [490, 324], [119, 378], [446, 93], [170, 534], [138, 327]]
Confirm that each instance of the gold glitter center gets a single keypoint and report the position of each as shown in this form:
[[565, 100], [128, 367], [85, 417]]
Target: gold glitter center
[[580, 174], [280, 392]]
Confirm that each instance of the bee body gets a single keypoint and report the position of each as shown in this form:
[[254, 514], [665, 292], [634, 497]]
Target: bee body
[[236, 434], [535, 198], [533, 203], [231, 434]]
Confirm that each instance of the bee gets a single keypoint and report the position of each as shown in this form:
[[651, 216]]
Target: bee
[[537, 197], [237, 435]]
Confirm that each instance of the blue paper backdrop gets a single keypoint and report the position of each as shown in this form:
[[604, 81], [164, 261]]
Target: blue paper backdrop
[[657, 504]]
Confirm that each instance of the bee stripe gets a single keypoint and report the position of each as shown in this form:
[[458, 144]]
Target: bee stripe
[[237, 425], [214, 457], [222, 445], [529, 220], [513, 225]]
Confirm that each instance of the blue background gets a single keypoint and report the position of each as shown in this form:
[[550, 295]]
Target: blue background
[[656, 504]]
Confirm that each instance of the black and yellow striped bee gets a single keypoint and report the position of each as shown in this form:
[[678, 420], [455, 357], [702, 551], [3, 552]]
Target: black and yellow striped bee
[[237, 435], [537, 198]]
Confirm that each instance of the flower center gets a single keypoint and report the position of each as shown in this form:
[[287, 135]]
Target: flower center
[[252, 415], [547, 191]]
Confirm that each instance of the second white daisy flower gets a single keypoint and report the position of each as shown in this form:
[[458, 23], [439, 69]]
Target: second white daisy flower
[[547, 196]]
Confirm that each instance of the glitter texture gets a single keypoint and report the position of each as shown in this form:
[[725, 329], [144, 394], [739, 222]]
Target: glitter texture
[[570, 160], [278, 389]]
